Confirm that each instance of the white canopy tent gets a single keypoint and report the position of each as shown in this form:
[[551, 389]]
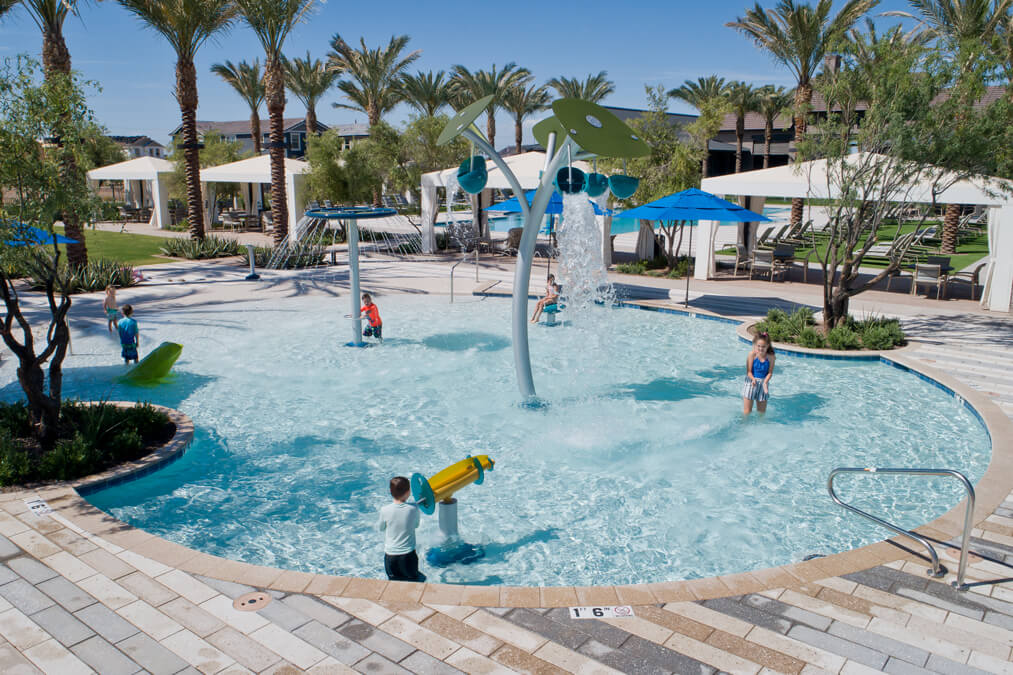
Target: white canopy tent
[[257, 171], [135, 173], [527, 167], [809, 181]]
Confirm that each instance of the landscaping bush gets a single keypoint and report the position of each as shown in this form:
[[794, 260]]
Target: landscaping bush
[[202, 249], [877, 337], [299, 256], [842, 338], [810, 338], [94, 276], [90, 439], [638, 267]]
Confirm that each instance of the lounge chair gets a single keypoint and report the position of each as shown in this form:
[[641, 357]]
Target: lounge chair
[[970, 277], [742, 257], [929, 274], [511, 245], [770, 241], [766, 233], [765, 263]]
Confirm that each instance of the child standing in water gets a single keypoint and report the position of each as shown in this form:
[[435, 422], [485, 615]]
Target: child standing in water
[[759, 369], [370, 311], [129, 335], [109, 305]]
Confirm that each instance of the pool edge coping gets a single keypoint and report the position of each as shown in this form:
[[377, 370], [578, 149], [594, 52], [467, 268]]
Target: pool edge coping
[[75, 511]]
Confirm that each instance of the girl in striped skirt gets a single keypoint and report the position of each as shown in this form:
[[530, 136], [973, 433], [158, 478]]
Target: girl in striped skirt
[[759, 369]]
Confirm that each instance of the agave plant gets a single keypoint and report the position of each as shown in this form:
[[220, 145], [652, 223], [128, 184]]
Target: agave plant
[[201, 249]]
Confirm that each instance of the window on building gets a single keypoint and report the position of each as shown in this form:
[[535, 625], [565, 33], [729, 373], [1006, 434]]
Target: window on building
[[296, 141]]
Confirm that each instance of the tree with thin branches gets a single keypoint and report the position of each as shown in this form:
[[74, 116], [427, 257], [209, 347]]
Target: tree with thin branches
[[427, 92], [523, 100], [187, 25], [706, 94], [468, 86], [309, 79], [248, 82], [272, 22], [798, 36], [49, 16], [593, 88], [772, 103]]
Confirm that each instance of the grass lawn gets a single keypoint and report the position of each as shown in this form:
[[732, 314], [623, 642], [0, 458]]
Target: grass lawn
[[130, 249]]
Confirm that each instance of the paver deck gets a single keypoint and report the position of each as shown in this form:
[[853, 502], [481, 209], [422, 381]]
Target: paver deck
[[78, 595]]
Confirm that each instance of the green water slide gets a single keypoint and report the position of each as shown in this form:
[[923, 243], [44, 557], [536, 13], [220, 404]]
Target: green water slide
[[155, 366]]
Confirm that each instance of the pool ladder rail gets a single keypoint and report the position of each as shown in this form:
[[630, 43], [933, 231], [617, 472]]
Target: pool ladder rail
[[937, 570], [464, 258]]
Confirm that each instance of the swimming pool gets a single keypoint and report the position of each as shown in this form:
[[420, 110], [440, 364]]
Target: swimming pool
[[640, 469]]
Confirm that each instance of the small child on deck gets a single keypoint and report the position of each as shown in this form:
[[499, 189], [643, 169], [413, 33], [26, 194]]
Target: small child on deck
[[398, 522], [129, 335], [109, 305]]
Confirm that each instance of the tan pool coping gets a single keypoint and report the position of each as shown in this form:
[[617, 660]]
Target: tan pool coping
[[67, 503]]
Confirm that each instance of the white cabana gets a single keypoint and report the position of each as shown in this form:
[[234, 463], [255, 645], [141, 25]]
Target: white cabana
[[256, 171], [809, 181], [527, 167], [135, 173]]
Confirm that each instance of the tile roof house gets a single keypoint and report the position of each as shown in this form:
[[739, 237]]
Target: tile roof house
[[140, 146]]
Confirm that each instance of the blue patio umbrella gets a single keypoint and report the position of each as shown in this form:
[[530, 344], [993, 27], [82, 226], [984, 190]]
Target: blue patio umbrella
[[555, 207], [27, 235], [693, 205]]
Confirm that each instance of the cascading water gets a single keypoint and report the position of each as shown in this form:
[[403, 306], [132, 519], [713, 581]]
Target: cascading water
[[582, 272]]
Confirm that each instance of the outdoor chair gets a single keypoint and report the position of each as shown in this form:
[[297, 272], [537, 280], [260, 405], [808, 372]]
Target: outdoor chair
[[764, 262], [929, 274], [766, 233], [770, 241], [512, 243], [742, 257], [971, 277]]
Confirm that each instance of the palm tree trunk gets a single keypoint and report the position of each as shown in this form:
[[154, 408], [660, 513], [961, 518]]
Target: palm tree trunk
[[56, 62], [255, 130], [374, 119], [311, 121], [703, 162], [490, 126], [768, 133], [740, 123], [518, 136], [803, 99], [274, 84], [951, 222], [186, 94]]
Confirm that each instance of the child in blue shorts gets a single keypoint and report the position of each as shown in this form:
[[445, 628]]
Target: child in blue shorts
[[129, 335]]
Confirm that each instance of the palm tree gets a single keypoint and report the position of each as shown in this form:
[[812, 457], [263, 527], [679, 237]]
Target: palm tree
[[706, 92], [772, 103], [743, 98], [309, 80], [799, 36], [272, 21], [963, 28], [186, 25], [427, 92], [594, 88], [521, 101], [372, 77], [49, 16], [1005, 53], [249, 84], [470, 86]]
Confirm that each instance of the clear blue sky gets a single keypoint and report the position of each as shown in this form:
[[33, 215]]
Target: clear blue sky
[[639, 42]]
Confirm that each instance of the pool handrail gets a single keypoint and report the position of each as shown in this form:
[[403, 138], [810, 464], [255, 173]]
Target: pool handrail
[[937, 570], [452, 267]]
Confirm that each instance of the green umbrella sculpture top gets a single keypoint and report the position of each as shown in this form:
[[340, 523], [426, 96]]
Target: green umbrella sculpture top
[[581, 130]]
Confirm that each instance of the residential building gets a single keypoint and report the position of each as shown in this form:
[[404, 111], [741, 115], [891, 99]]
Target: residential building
[[294, 129], [140, 146]]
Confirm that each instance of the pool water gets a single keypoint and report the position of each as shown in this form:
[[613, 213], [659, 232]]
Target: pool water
[[641, 467]]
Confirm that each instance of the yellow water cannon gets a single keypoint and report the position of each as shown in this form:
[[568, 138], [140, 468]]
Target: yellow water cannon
[[442, 486]]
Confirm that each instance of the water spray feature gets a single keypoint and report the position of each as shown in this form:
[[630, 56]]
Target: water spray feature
[[582, 272], [587, 130]]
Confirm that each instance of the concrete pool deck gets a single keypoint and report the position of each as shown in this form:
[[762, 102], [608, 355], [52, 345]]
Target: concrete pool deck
[[80, 591]]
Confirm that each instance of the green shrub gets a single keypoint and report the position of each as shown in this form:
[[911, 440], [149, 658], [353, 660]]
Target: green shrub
[[14, 463], [638, 267], [94, 276], [201, 249], [775, 315], [897, 335], [877, 337], [70, 458], [842, 337], [15, 419], [810, 338], [683, 266], [799, 320], [299, 256]]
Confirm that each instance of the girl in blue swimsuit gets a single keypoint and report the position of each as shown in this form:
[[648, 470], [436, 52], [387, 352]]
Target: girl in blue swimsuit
[[759, 369]]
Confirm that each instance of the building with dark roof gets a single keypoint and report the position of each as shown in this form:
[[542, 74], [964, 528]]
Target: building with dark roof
[[140, 146], [294, 130]]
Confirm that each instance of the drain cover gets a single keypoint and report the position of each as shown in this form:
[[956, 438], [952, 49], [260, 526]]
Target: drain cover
[[251, 602]]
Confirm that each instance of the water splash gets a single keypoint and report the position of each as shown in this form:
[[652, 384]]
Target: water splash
[[581, 268]]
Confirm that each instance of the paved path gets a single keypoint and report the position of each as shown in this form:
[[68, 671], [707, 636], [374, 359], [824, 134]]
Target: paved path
[[72, 601]]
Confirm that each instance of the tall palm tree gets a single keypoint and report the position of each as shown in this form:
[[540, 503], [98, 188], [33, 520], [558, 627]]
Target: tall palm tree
[[594, 88], [1005, 53], [272, 21], [963, 28], [249, 84], [371, 78], [309, 80], [468, 86], [521, 101], [799, 35], [743, 98], [427, 92], [706, 92], [186, 25], [772, 103], [49, 16]]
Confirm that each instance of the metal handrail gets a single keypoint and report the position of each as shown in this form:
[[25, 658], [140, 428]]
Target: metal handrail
[[463, 259], [937, 569]]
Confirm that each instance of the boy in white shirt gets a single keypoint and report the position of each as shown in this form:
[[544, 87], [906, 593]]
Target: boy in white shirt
[[398, 521]]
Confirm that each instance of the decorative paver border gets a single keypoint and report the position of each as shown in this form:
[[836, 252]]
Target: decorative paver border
[[991, 490]]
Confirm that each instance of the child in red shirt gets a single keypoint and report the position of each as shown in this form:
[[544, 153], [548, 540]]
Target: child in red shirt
[[371, 312]]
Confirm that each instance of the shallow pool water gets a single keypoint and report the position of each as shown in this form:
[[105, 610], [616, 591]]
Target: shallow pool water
[[640, 468]]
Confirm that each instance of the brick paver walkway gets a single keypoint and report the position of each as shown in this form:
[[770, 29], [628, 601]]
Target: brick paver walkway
[[71, 601]]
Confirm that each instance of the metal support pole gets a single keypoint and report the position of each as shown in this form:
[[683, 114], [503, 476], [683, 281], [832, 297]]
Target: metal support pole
[[446, 513], [353, 278], [252, 276], [476, 263]]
